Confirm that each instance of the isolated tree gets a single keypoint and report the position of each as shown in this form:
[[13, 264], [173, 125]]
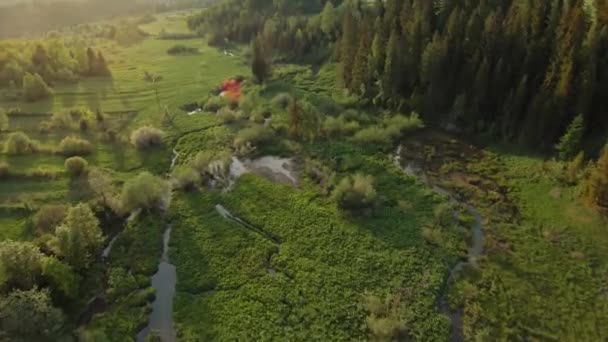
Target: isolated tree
[[20, 263], [295, 114], [79, 238], [569, 143], [30, 316], [34, 88], [145, 191], [101, 184], [348, 46], [260, 64], [597, 183]]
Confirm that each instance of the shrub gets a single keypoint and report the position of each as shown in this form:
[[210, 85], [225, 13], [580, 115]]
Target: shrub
[[4, 122], [249, 138], [338, 126], [353, 115], [216, 164], [5, 170], [180, 49], [214, 104], [374, 135], [147, 137], [48, 217], [73, 146], [76, 166], [145, 191], [227, 115], [34, 88], [19, 143], [282, 100], [356, 192], [14, 112], [400, 124], [186, 178]]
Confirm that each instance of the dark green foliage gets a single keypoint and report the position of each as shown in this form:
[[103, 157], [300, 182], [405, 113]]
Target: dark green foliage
[[180, 49], [260, 63], [30, 316]]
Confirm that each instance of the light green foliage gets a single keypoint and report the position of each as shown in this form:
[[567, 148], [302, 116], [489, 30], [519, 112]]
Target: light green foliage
[[19, 143], [333, 126], [355, 193], [384, 320], [79, 238], [102, 186], [374, 135], [76, 166], [144, 191], [20, 263], [147, 137], [34, 88], [73, 146], [48, 217], [282, 100], [569, 143], [30, 316]]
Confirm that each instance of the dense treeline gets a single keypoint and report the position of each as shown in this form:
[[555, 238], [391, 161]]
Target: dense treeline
[[519, 70], [33, 66], [285, 26]]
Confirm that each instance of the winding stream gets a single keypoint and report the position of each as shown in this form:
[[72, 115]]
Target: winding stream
[[475, 247], [229, 216], [163, 282]]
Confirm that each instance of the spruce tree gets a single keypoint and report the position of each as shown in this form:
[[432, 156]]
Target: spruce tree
[[348, 46], [260, 65], [570, 142]]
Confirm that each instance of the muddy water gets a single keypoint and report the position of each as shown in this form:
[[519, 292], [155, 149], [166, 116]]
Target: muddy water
[[274, 168], [163, 282]]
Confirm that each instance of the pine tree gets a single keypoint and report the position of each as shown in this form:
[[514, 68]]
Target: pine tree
[[102, 68], [360, 68], [348, 47], [260, 65], [570, 142]]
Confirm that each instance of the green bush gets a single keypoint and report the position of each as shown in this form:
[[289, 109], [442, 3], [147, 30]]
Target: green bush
[[76, 166], [355, 192], [338, 126], [227, 115], [34, 88], [49, 217], [19, 143], [145, 191], [282, 100], [146, 137], [217, 164], [374, 135], [5, 170], [180, 49], [186, 178], [401, 124], [214, 104], [249, 138], [73, 146]]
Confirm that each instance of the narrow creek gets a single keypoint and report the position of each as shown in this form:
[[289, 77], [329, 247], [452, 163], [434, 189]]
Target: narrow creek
[[163, 282], [476, 245], [229, 216]]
